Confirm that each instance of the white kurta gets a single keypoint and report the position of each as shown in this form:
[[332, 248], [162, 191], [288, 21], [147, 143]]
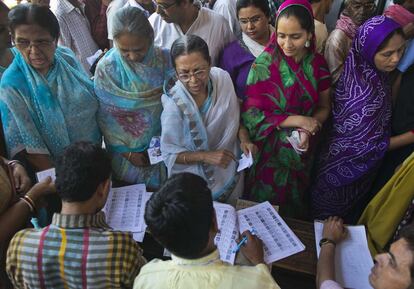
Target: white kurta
[[227, 8], [209, 25]]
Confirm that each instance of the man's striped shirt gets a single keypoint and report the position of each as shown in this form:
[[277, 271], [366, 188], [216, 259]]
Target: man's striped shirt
[[75, 251]]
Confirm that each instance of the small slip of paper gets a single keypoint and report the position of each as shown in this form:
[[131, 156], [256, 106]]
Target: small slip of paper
[[294, 140], [154, 151], [245, 162], [41, 176], [91, 59]]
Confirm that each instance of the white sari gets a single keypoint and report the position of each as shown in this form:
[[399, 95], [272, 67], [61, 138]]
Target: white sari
[[254, 47], [185, 128]]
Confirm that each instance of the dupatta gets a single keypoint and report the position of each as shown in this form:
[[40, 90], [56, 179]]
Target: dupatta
[[44, 114], [130, 108], [185, 128]]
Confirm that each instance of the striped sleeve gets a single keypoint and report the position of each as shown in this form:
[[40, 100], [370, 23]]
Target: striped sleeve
[[13, 266]]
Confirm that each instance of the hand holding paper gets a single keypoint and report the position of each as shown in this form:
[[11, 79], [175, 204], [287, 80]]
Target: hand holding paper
[[245, 162]]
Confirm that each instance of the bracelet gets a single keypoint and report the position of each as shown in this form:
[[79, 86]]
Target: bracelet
[[28, 204], [30, 200], [305, 131], [129, 156], [325, 241], [14, 162]]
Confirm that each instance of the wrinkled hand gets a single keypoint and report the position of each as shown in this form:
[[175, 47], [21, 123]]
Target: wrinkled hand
[[21, 180], [304, 140], [138, 159], [310, 124], [253, 248], [40, 190], [247, 147], [221, 158], [334, 229]]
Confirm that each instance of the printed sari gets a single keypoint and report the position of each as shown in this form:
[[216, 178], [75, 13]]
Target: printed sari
[[130, 108], [278, 87], [361, 128], [44, 114]]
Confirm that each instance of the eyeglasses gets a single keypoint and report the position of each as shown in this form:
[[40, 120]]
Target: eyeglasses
[[40, 44], [165, 7], [358, 5], [253, 20], [199, 74]]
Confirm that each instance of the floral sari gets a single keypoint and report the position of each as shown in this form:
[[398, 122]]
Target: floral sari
[[278, 87], [130, 109]]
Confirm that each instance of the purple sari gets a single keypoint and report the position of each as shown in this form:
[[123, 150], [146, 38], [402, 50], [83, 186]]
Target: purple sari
[[361, 126]]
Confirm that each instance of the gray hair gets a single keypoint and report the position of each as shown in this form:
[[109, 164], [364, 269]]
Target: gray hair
[[131, 20]]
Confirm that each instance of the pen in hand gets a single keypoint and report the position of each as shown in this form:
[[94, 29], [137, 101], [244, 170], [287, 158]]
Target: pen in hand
[[243, 241]]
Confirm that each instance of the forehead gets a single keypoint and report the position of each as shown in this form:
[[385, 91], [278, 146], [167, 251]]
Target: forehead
[[394, 43], [289, 25], [358, 2], [250, 11], [31, 32], [165, 2], [128, 40], [194, 60], [402, 253]]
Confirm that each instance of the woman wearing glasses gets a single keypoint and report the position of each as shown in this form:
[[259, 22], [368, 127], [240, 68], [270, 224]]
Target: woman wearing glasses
[[200, 121], [128, 83], [46, 100], [238, 56]]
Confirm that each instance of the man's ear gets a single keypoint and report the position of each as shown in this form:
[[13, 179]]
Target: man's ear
[[103, 188]]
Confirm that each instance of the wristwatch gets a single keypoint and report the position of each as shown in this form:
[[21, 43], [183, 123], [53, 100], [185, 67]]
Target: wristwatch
[[324, 241]]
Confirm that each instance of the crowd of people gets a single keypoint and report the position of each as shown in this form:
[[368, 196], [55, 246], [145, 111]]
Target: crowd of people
[[328, 119]]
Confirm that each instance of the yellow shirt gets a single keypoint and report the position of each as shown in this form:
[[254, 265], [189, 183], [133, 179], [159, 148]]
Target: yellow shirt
[[208, 272]]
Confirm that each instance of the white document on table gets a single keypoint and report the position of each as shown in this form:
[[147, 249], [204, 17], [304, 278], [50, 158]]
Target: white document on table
[[353, 261], [46, 173], [278, 239], [125, 207], [245, 162]]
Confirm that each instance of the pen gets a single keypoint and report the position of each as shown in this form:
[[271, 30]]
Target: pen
[[244, 240]]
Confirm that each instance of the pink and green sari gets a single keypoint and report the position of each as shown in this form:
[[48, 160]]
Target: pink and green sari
[[278, 87]]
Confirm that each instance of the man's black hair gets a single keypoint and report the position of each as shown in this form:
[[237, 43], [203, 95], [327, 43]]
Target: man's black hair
[[80, 170], [180, 215]]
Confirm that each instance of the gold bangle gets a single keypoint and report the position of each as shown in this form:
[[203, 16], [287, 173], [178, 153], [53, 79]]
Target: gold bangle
[[129, 156], [30, 200], [28, 204]]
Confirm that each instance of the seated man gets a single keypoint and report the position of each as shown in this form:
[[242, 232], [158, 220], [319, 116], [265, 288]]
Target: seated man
[[392, 270], [78, 250], [176, 18], [181, 218]]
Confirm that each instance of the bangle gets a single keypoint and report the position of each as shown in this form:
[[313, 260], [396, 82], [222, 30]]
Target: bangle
[[30, 200], [129, 156], [14, 162], [28, 204], [184, 160], [325, 241]]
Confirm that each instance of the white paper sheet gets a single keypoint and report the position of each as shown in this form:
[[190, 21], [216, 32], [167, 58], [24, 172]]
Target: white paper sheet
[[353, 262], [91, 59], [279, 241], [138, 236], [46, 173], [228, 231], [245, 162], [125, 207]]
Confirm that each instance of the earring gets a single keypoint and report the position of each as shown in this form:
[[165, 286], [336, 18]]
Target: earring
[[307, 44]]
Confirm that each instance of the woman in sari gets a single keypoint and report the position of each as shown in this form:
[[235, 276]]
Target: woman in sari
[[128, 83], [45, 97], [238, 56], [200, 121], [391, 209], [288, 90], [361, 122]]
